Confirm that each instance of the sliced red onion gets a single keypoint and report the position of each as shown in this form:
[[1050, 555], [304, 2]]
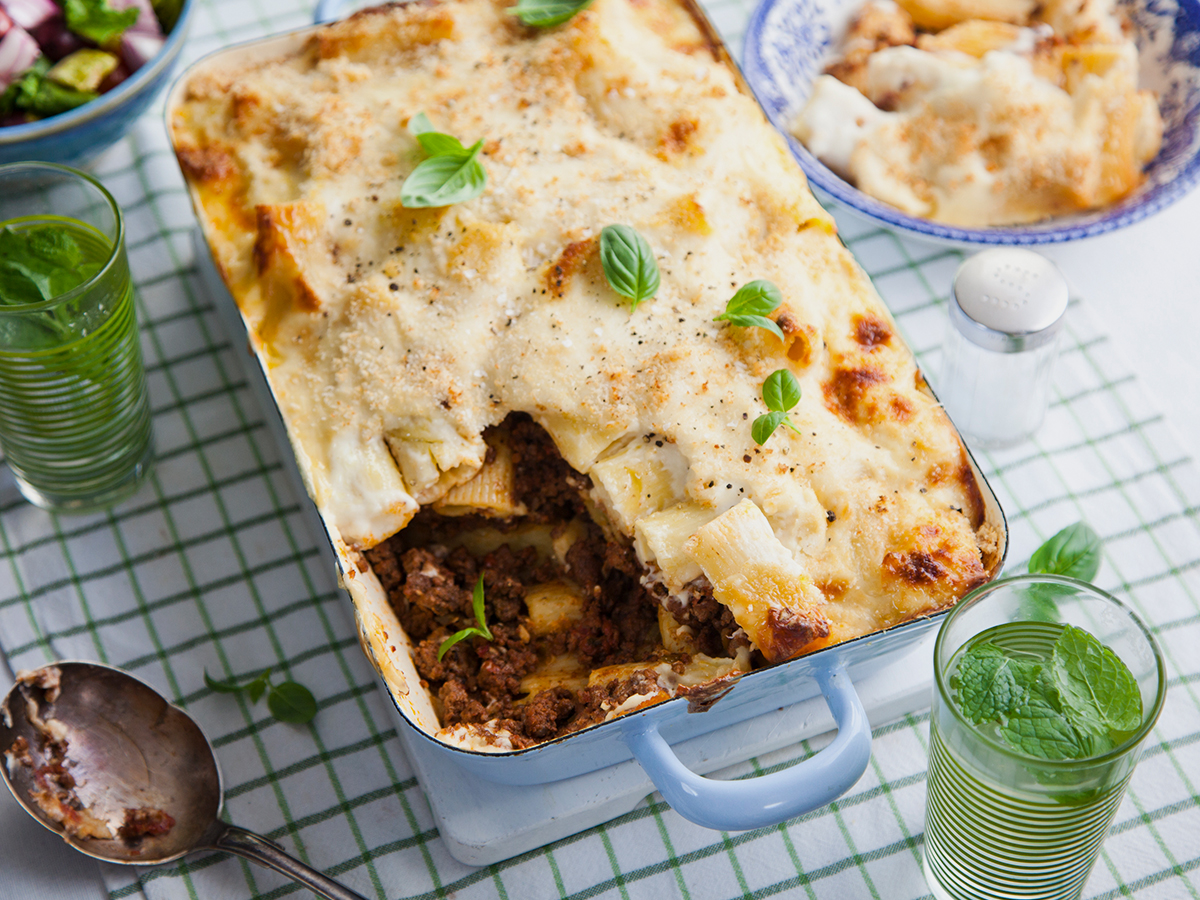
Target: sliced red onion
[[137, 48], [29, 14], [119, 74], [56, 40], [147, 21], [18, 51], [5, 22]]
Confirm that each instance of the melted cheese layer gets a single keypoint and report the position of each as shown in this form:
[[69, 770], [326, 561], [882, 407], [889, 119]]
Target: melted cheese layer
[[395, 336]]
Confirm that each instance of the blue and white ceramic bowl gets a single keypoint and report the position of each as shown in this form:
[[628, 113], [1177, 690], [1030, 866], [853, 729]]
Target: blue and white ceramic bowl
[[74, 138], [788, 43]]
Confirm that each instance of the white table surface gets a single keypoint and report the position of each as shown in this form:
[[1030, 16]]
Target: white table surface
[[1140, 285]]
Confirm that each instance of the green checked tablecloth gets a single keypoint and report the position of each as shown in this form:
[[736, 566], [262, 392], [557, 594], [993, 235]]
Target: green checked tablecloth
[[211, 567]]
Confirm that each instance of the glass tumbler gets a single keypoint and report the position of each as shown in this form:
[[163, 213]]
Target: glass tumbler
[[74, 410], [1003, 824]]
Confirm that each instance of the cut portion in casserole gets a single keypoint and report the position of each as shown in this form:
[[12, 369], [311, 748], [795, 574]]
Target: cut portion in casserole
[[466, 394]]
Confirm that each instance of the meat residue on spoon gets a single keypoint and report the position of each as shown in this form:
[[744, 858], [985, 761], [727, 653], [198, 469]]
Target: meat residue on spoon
[[56, 792]]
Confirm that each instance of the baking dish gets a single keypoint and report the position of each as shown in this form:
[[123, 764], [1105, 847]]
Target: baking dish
[[646, 734]]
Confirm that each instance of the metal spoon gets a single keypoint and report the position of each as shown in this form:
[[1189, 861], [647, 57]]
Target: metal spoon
[[128, 749]]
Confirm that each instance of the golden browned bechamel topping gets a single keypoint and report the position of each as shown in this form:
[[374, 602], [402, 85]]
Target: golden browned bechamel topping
[[395, 336]]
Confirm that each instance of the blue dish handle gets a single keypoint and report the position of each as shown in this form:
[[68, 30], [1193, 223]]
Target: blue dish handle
[[328, 11], [756, 802], [751, 803]]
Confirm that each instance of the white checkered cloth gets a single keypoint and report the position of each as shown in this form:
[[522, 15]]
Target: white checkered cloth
[[211, 568]]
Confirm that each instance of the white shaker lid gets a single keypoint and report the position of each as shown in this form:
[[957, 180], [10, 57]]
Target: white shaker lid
[[1008, 299]]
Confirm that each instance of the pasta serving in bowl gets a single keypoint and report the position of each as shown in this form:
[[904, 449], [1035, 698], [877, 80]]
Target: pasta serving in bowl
[[985, 121]]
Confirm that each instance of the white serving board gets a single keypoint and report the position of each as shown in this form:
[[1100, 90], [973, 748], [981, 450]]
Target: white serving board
[[482, 822]]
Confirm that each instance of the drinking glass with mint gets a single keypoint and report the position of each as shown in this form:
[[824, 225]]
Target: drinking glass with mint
[[1045, 689], [74, 409]]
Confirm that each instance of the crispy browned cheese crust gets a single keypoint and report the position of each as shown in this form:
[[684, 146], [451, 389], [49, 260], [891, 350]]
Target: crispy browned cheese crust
[[394, 337]]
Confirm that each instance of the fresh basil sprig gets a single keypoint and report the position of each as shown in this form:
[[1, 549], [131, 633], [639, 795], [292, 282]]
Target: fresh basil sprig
[[781, 392], [452, 174], [482, 631], [629, 263], [751, 305], [547, 13], [288, 702], [1074, 551]]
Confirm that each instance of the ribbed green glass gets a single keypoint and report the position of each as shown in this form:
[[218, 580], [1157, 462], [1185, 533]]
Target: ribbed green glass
[[74, 409], [1002, 825], [987, 842]]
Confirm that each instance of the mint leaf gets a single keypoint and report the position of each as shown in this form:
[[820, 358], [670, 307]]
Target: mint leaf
[[629, 264], [1074, 551], [989, 684], [292, 702], [1036, 728], [547, 13], [40, 263], [1099, 692]]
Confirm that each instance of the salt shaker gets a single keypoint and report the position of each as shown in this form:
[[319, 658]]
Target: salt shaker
[[1006, 311]]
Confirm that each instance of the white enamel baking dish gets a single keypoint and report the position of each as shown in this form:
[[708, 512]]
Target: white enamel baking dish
[[645, 735]]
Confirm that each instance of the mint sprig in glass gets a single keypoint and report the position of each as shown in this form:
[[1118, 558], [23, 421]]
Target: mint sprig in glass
[[74, 409], [1039, 713]]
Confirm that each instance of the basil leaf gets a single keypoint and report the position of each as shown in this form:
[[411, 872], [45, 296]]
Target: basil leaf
[[764, 426], [547, 13], [221, 687], [449, 642], [258, 687], [434, 142], [477, 604], [97, 21], [753, 322], [1074, 551], [781, 391], [1099, 692], [629, 263], [292, 702], [437, 144], [445, 180], [756, 298], [419, 124]]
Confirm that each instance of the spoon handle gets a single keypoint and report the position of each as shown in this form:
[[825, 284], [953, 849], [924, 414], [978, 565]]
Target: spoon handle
[[256, 848]]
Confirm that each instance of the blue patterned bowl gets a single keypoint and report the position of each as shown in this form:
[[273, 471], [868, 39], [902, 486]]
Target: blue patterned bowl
[[74, 138], [788, 43]]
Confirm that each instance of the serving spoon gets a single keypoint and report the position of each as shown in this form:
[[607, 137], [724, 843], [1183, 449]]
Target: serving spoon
[[128, 749]]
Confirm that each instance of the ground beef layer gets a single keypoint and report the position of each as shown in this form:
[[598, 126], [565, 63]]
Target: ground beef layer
[[430, 587]]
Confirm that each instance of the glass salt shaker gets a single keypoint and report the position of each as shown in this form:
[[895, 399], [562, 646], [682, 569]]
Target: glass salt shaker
[[1006, 310]]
